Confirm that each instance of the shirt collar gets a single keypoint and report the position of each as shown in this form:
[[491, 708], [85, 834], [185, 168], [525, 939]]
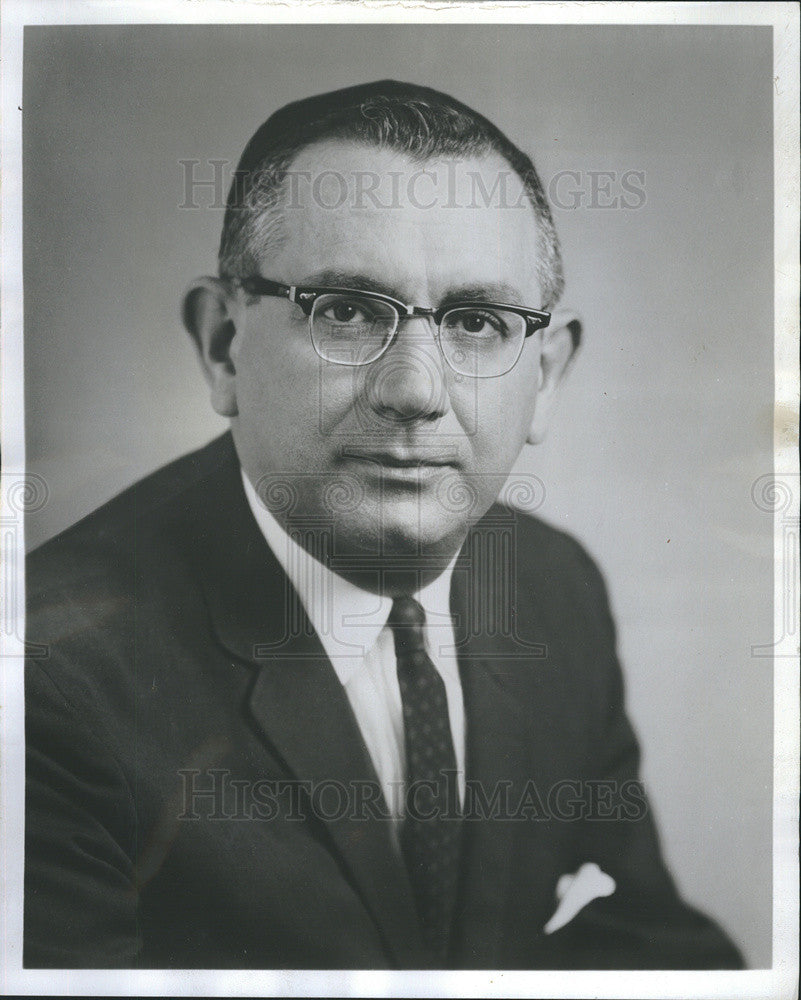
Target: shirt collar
[[346, 618]]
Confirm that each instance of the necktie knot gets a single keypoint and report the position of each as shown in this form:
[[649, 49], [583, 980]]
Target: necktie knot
[[407, 620]]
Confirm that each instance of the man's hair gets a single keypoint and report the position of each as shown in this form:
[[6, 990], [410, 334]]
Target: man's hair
[[422, 123]]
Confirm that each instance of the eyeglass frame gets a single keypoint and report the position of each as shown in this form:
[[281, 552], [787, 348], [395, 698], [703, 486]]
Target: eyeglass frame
[[306, 295]]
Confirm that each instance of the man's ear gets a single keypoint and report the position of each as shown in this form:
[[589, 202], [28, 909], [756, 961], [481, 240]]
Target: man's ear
[[211, 318], [560, 341]]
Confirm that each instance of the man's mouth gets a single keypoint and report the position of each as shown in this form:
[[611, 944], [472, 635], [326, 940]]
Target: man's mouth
[[402, 465], [403, 458]]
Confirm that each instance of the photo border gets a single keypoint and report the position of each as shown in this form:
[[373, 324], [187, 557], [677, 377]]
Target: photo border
[[781, 979]]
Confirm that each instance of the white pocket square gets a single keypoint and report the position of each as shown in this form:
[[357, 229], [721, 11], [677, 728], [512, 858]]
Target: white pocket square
[[574, 892]]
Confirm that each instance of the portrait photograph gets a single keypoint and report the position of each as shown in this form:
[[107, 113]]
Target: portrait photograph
[[400, 499]]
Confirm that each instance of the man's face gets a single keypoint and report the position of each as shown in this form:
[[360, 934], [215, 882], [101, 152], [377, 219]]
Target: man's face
[[401, 455]]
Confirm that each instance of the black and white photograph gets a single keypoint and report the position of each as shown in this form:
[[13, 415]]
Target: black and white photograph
[[400, 499]]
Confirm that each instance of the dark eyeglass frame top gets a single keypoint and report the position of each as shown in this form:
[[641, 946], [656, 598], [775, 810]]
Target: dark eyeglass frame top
[[306, 295]]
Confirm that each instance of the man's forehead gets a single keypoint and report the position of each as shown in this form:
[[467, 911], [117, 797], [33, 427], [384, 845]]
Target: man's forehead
[[359, 208], [360, 177]]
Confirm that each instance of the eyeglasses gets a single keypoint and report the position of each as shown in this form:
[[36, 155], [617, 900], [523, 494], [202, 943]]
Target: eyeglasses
[[351, 327]]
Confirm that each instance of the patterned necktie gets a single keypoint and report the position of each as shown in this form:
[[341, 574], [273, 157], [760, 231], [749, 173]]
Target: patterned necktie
[[431, 828]]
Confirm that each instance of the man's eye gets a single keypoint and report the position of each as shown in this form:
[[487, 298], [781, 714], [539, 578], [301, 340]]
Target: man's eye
[[477, 323], [346, 311]]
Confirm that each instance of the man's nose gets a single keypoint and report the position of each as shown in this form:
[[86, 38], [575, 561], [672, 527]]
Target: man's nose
[[408, 382]]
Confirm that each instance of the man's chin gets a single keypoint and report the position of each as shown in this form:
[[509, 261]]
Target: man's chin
[[407, 530]]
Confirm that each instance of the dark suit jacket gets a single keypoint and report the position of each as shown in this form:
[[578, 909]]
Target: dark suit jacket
[[170, 658]]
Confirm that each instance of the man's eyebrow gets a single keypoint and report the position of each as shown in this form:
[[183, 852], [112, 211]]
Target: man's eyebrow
[[500, 292], [493, 292], [332, 278]]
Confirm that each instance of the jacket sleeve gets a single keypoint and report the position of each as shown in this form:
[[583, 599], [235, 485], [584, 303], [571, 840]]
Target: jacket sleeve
[[80, 894], [643, 923]]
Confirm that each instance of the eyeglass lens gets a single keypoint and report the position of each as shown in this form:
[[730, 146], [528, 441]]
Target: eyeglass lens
[[475, 340]]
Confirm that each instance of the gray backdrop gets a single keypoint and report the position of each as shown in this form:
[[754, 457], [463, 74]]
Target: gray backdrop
[[666, 422]]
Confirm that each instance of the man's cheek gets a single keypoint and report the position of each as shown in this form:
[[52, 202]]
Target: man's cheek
[[503, 429], [466, 401], [335, 405]]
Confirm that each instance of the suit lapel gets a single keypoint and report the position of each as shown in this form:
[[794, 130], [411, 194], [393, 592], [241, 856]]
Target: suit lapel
[[297, 701], [309, 721], [505, 685]]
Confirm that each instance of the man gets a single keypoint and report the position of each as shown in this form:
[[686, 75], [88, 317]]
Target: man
[[311, 699]]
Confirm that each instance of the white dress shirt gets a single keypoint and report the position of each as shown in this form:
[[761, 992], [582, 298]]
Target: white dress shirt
[[352, 626]]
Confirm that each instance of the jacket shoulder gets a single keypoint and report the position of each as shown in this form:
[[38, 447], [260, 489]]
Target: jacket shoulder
[[544, 552], [82, 575], [150, 497], [555, 592]]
